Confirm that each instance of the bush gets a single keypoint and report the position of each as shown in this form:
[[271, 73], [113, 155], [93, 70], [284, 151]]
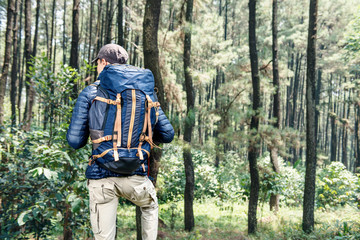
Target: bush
[[336, 186]]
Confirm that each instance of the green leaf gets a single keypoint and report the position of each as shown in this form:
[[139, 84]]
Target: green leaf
[[23, 217]]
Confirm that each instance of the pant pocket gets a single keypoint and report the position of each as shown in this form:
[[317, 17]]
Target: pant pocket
[[94, 218], [144, 195], [101, 191]]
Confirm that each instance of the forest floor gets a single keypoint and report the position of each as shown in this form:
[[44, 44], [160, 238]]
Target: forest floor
[[215, 219]]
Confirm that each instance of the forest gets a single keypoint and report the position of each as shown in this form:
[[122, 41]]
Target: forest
[[264, 98]]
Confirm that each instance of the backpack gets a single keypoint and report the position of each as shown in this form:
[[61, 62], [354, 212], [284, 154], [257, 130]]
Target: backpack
[[121, 119]]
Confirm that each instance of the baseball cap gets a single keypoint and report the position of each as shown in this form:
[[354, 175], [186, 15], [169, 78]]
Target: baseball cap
[[112, 53]]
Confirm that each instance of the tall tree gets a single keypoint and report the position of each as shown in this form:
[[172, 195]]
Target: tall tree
[[309, 191], [53, 18], [30, 93], [90, 29], [274, 198], [37, 16], [254, 144], [7, 55], [14, 69], [74, 54], [64, 35], [151, 61], [189, 122], [20, 63], [120, 23], [108, 21], [150, 45]]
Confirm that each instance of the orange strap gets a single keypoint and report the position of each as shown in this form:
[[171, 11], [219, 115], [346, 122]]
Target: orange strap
[[150, 104], [117, 127], [105, 100], [94, 157], [142, 136], [102, 139]]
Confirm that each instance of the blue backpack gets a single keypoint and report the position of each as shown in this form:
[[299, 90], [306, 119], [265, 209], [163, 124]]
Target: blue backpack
[[121, 118]]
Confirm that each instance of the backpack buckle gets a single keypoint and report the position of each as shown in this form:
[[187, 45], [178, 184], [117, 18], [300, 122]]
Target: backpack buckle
[[91, 160]]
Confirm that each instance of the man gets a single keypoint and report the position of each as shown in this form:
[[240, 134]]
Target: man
[[105, 186]]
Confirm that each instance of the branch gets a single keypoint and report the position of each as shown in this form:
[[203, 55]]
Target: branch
[[264, 67]]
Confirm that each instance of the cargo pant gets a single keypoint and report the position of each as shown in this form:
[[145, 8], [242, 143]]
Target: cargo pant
[[104, 197]]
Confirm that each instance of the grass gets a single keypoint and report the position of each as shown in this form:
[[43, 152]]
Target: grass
[[215, 219]]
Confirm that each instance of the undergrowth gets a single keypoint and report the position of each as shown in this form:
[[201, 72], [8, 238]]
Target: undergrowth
[[215, 219]]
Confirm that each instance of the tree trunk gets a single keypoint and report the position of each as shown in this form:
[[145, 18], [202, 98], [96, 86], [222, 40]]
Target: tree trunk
[[90, 30], [108, 21], [150, 45], [14, 69], [7, 55], [53, 19], [64, 42], [30, 93], [309, 191], [37, 16], [67, 232], [226, 19], [74, 55], [274, 198], [189, 123], [217, 106], [317, 103], [345, 134], [137, 39], [254, 144], [138, 224], [357, 139], [126, 27], [120, 23]]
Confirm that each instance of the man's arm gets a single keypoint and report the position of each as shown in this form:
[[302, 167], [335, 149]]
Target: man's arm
[[163, 130], [78, 131]]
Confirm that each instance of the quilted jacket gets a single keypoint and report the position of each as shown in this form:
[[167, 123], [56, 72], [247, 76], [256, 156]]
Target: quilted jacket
[[78, 132]]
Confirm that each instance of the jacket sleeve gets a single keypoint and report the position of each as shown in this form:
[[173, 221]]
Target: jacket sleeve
[[163, 130], [78, 132]]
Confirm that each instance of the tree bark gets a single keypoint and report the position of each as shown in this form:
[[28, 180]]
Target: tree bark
[[189, 123], [30, 93], [7, 55], [53, 17], [90, 29], [120, 23], [274, 198], [254, 142], [37, 16], [309, 191], [14, 69], [108, 21], [64, 38], [74, 55], [150, 45], [357, 138]]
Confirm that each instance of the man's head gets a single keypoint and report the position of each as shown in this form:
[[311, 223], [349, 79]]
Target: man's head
[[110, 54]]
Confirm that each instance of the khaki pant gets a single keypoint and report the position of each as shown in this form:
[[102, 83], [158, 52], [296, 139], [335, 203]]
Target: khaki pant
[[104, 197]]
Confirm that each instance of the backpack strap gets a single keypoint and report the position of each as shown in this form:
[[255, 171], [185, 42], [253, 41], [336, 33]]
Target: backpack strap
[[117, 128], [102, 139], [105, 100]]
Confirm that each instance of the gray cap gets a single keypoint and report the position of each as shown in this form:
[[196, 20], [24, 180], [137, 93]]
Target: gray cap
[[112, 53]]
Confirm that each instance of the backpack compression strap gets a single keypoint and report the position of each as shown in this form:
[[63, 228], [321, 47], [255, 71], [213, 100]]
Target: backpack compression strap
[[117, 128]]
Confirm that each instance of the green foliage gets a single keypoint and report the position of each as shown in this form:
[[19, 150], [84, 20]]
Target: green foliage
[[353, 36], [224, 182], [41, 175], [336, 187]]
